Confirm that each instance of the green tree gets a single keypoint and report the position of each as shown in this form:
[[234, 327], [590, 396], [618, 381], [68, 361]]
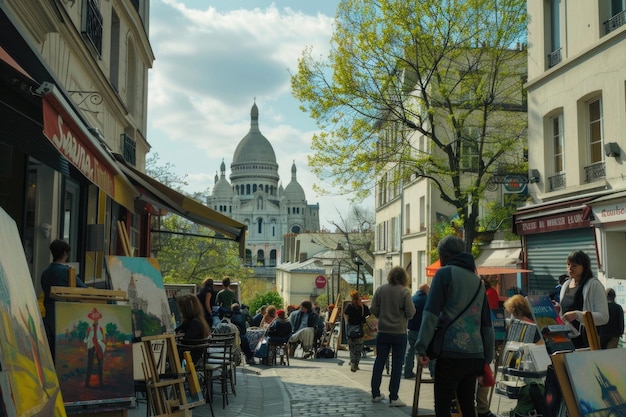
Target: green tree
[[268, 298], [444, 72]]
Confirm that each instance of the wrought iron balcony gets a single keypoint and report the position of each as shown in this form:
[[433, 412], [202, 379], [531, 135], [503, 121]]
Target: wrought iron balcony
[[557, 181], [554, 58], [615, 22], [92, 25], [594, 172], [135, 4], [129, 149]]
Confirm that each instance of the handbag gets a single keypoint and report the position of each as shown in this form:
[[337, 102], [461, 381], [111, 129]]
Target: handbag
[[262, 348], [435, 347], [355, 331]]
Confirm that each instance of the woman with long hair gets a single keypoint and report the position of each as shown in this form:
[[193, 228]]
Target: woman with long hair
[[194, 325], [354, 317], [269, 317], [582, 292]]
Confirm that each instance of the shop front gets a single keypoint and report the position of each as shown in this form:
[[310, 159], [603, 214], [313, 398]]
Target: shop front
[[549, 233], [609, 219]]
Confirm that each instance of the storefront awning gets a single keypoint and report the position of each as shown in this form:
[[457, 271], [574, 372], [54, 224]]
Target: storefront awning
[[507, 257], [184, 206], [480, 270]]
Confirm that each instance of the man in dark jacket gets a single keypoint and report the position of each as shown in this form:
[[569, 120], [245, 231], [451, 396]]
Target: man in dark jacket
[[413, 326], [303, 322]]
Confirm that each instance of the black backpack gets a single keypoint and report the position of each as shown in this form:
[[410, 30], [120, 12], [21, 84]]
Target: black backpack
[[325, 352]]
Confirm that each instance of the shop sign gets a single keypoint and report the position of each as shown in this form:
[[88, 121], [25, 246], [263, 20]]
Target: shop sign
[[569, 220], [610, 213], [66, 137]]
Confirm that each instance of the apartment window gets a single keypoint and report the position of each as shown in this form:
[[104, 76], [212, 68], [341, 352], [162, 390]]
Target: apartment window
[[555, 33], [557, 143], [407, 218], [92, 25], [422, 213], [469, 150], [618, 16], [594, 114], [129, 149]]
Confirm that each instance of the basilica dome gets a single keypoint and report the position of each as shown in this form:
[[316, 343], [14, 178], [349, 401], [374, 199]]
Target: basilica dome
[[293, 190]]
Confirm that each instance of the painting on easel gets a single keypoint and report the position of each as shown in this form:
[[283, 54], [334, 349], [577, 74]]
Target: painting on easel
[[28, 381], [94, 354], [142, 280], [598, 379]]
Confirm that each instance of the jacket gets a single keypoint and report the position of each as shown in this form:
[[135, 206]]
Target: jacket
[[393, 306], [453, 288], [419, 301]]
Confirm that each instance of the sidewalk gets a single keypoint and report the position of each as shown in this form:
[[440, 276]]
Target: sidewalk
[[318, 387]]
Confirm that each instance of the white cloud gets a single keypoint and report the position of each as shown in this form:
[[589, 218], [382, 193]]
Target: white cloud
[[212, 61]]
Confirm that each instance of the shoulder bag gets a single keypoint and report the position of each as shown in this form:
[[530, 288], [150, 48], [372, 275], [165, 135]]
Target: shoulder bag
[[355, 331]]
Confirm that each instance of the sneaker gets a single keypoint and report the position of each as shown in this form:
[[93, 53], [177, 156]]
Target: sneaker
[[378, 398], [410, 376], [396, 403], [353, 368]]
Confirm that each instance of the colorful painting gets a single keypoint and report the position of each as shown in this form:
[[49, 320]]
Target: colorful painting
[[28, 381], [142, 280], [598, 379], [94, 353]]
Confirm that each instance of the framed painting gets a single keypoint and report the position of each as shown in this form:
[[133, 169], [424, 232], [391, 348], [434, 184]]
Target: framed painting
[[598, 380], [28, 381], [94, 353], [142, 280]]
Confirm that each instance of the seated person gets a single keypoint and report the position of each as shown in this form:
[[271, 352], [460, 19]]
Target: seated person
[[280, 329], [194, 326], [268, 317], [303, 322], [256, 320]]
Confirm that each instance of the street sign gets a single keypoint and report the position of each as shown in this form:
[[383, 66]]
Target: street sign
[[515, 183], [320, 281]]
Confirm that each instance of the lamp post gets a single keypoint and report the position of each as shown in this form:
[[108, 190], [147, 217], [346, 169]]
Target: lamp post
[[339, 255], [358, 262]]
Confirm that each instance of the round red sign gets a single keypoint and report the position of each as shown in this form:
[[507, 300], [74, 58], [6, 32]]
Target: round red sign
[[320, 281]]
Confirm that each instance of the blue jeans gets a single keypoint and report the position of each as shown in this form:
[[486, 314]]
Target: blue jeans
[[385, 343], [409, 360], [456, 377]]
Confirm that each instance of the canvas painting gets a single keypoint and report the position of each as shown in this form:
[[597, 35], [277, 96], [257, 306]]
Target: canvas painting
[[598, 379], [28, 381], [142, 280], [94, 354]]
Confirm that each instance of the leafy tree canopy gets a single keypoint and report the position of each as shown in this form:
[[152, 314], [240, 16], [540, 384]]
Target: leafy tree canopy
[[430, 89]]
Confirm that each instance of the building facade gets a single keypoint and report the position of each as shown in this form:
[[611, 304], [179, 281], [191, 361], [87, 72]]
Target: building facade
[[256, 197], [576, 141], [78, 70]]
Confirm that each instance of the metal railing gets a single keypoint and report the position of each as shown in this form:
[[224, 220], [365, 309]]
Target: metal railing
[[557, 181], [594, 172], [615, 22], [554, 57], [92, 25]]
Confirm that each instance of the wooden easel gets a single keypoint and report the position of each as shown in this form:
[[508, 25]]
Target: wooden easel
[[166, 392], [416, 392], [558, 362]]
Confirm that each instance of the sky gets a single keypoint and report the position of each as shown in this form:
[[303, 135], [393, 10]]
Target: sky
[[213, 60]]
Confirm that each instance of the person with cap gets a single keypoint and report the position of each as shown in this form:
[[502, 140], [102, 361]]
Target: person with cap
[[457, 303], [94, 339]]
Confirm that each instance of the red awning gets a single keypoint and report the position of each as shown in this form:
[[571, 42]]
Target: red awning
[[481, 270]]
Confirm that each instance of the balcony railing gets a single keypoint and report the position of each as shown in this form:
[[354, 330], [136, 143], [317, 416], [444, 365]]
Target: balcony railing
[[135, 4], [615, 22], [129, 149], [557, 181], [554, 58], [92, 25], [594, 172]]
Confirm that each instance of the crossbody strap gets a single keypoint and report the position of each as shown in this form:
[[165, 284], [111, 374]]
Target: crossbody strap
[[468, 305]]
